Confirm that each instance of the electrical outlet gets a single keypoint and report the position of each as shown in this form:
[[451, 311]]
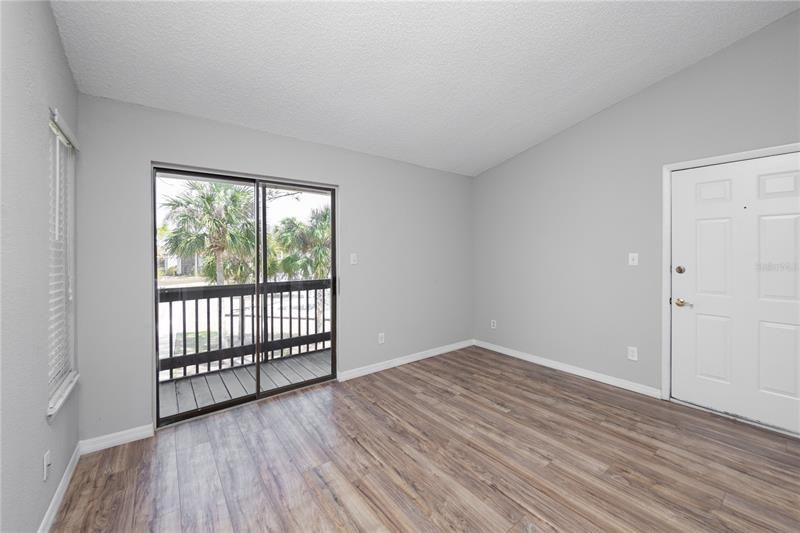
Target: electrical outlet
[[493, 324], [46, 464], [633, 259], [353, 259], [381, 338], [633, 353]]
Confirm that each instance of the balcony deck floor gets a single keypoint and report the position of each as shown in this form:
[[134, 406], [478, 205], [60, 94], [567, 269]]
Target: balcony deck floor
[[194, 392]]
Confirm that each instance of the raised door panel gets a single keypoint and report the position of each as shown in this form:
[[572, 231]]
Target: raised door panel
[[779, 359], [713, 256], [713, 347], [778, 252]]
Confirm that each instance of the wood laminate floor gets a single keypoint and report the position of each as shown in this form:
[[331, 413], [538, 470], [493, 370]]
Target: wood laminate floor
[[470, 440]]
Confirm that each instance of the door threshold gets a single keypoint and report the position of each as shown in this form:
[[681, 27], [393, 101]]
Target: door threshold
[[188, 416], [737, 418]]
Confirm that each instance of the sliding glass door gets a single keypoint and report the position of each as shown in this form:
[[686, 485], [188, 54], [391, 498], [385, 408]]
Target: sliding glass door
[[245, 305], [297, 271]]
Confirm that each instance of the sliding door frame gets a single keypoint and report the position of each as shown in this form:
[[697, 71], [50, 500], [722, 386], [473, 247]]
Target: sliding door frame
[[257, 181]]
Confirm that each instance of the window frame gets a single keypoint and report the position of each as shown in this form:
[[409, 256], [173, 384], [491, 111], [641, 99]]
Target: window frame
[[61, 227]]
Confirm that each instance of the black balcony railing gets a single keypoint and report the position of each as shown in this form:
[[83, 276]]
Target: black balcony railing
[[210, 328]]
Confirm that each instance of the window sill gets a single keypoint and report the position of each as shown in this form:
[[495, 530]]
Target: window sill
[[61, 394]]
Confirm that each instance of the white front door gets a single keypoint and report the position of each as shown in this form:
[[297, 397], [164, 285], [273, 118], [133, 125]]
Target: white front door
[[736, 288]]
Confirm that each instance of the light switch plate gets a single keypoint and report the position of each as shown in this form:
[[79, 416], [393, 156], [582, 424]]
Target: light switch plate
[[633, 259], [46, 464], [353, 259]]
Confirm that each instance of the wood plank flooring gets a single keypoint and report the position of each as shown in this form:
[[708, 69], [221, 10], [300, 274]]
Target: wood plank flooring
[[471, 440], [194, 392]]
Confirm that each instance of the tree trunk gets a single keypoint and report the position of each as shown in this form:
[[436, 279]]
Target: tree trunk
[[220, 268]]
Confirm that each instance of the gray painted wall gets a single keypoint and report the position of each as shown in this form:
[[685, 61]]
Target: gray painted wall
[[35, 76], [409, 225], [560, 217], [554, 225]]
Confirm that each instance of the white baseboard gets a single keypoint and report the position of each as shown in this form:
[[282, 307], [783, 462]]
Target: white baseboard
[[564, 367], [143, 432], [61, 490], [115, 439], [397, 361], [82, 448]]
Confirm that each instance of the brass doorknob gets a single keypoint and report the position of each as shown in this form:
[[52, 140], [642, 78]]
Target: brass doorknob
[[680, 302]]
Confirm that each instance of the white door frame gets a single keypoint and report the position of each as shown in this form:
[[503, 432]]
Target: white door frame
[[666, 245]]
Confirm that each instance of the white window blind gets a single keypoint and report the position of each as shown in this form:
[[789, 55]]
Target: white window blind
[[61, 368]]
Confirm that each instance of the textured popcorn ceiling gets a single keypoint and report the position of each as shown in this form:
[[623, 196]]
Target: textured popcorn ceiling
[[458, 87]]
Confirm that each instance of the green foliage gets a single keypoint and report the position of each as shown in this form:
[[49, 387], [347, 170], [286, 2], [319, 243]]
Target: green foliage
[[303, 250], [235, 269], [215, 221], [171, 271]]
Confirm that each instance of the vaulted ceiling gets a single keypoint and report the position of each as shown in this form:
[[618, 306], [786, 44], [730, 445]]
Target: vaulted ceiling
[[453, 86]]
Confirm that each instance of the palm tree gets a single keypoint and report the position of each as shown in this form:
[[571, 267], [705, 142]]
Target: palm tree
[[214, 220], [305, 248]]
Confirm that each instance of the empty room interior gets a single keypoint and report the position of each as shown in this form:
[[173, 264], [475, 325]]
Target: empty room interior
[[400, 266]]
